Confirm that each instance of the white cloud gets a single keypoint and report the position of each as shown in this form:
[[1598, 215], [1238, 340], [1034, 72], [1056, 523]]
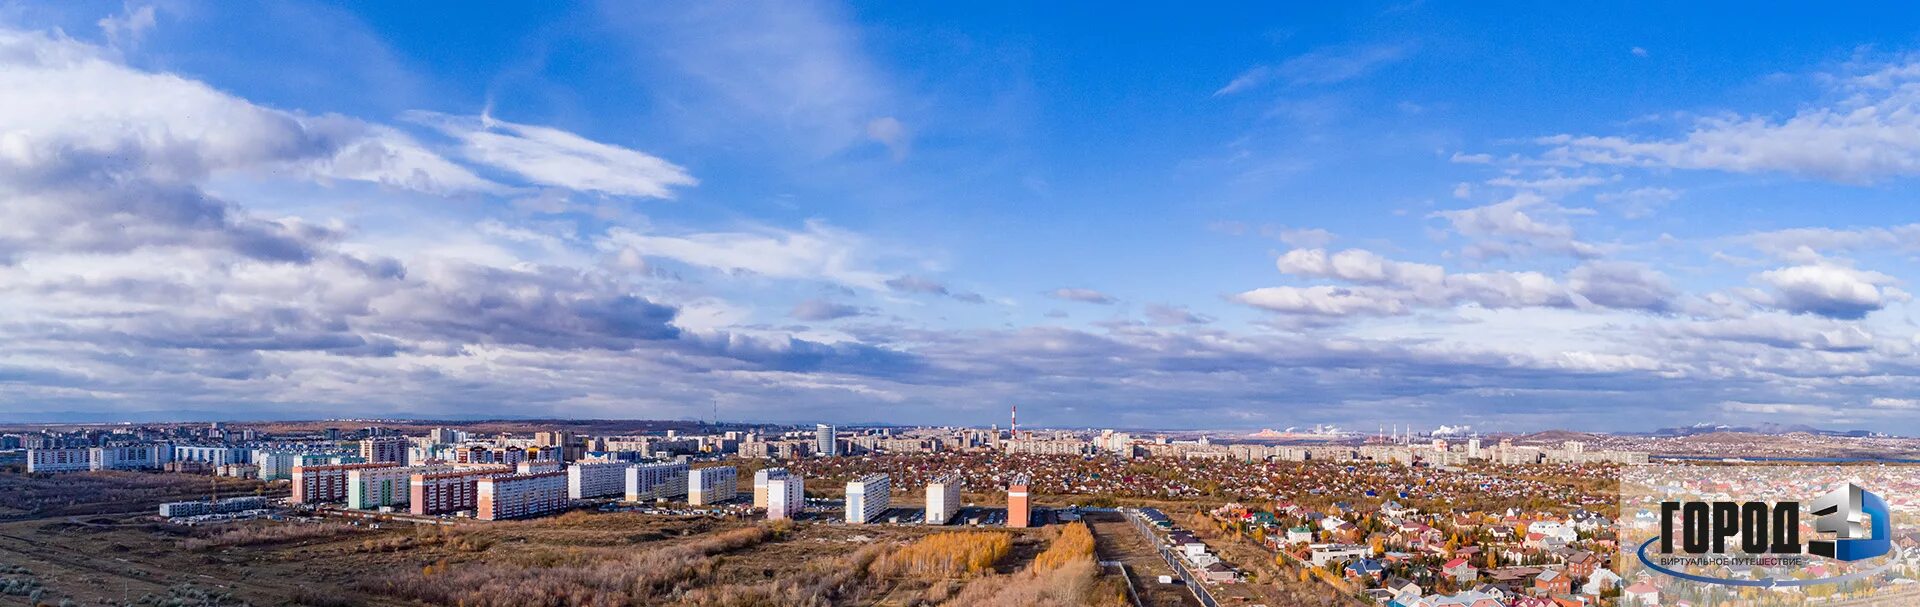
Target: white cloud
[[818, 252], [1254, 76], [1082, 295], [1775, 408], [1520, 223], [552, 157], [70, 107], [791, 68], [1830, 290], [1795, 241], [1325, 301], [127, 29], [1305, 237], [1322, 66], [888, 131], [1872, 133], [1639, 203], [1618, 284], [1361, 266]]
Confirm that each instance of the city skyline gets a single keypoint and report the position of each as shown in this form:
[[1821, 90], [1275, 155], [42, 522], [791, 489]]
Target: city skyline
[[1401, 213]]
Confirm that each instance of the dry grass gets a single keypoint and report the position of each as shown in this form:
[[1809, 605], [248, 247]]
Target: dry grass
[[268, 534], [953, 554], [573, 577], [1065, 575]]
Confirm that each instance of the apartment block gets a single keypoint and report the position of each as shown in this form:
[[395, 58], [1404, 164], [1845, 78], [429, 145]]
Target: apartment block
[[328, 483], [213, 456], [59, 460], [384, 449], [236, 504], [596, 479], [708, 486], [786, 497], [760, 479], [867, 497], [646, 482], [373, 488], [521, 495], [452, 491], [943, 499], [136, 457]]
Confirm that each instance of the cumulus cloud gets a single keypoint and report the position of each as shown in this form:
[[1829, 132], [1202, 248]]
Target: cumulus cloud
[[75, 113], [1360, 265], [1830, 290], [1397, 287], [1526, 222], [1325, 301], [1781, 331], [1616, 284], [1082, 295]]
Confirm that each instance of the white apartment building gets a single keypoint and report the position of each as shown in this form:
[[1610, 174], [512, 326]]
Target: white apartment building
[[214, 456], [867, 497], [138, 457], [786, 497], [760, 479], [708, 486], [596, 479], [59, 460], [648, 482], [520, 495], [943, 499]]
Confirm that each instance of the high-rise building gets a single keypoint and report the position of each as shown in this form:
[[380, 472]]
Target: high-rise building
[[943, 499], [561, 443], [648, 482], [760, 479], [786, 497], [447, 436], [520, 495], [825, 442], [58, 460], [596, 479], [867, 497], [384, 449], [372, 488], [1018, 512], [446, 492], [316, 484], [708, 486]]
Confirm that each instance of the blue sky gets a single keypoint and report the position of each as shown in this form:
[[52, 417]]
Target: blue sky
[[1227, 217]]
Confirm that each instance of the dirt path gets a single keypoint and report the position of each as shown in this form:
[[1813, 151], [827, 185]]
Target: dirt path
[[1115, 539]]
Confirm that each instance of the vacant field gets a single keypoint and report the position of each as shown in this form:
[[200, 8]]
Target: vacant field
[[112, 552], [106, 492]]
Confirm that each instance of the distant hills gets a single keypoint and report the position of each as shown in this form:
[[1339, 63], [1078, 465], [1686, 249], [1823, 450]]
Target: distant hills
[[1766, 428]]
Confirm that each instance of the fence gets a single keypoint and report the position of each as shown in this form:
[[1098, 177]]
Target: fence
[[1199, 592]]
